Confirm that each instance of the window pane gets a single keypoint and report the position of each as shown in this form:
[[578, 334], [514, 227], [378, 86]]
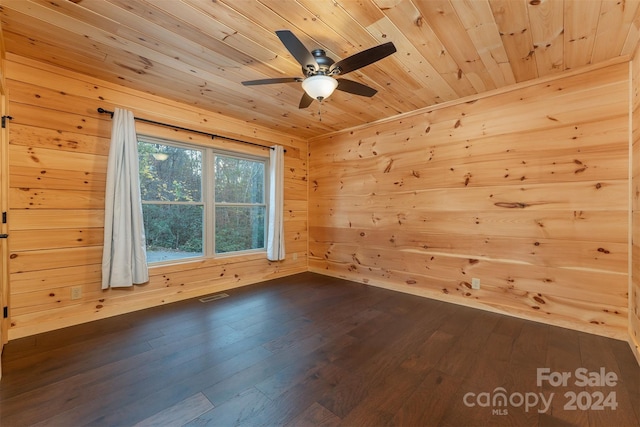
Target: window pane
[[239, 180], [173, 231], [239, 228], [168, 173]]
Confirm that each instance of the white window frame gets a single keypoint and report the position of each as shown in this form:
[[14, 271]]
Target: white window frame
[[208, 196]]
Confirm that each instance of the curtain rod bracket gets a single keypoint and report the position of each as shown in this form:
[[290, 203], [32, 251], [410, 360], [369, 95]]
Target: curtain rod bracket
[[103, 111], [212, 135]]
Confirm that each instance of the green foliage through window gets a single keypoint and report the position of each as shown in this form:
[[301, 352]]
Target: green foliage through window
[[239, 201], [177, 195]]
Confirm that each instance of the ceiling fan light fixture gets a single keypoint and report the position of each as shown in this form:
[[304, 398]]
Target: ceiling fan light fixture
[[319, 86]]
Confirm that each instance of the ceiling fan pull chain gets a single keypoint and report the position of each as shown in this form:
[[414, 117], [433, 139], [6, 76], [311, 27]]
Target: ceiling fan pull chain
[[320, 110]]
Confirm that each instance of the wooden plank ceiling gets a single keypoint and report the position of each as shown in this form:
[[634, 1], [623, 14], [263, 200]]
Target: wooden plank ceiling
[[199, 51]]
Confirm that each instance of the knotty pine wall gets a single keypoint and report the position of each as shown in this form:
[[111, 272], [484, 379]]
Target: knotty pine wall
[[4, 202], [58, 146], [525, 189], [634, 291]]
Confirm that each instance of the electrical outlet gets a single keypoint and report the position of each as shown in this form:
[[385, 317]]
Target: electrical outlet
[[475, 283], [295, 256], [76, 292]]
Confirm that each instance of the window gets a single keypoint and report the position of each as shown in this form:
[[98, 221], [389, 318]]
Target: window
[[199, 202], [240, 204]]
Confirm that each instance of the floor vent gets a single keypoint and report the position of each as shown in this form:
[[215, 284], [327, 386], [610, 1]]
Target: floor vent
[[213, 297]]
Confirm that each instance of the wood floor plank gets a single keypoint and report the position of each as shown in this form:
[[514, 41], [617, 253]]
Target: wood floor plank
[[491, 364], [563, 355], [306, 365], [189, 409], [287, 406], [315, 415], [598, 357], [308, 350], [429, 401], [148, 397], [381, 369], [132, 401], [238, 410], [221, 391], [386, 394]]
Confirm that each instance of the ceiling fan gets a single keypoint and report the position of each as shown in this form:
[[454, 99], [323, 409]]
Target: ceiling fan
[[318, 69]]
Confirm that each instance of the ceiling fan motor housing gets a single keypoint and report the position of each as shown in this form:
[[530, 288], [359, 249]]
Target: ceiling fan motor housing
[[324, 64]]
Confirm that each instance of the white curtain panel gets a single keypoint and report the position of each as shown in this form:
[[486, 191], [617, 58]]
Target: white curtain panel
[[124, 256], [275, 228]]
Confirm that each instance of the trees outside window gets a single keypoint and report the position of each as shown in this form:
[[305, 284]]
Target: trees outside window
[[199, 202], [239, 204]]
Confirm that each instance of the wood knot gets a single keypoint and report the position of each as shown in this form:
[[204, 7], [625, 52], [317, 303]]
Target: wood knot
[[539, 300], [512, 205]]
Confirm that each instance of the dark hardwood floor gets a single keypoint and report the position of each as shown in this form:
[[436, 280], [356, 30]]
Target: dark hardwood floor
[[313, 350]]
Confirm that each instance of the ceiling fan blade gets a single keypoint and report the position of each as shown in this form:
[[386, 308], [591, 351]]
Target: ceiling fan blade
[[355, 88], [364, 58], [272, 81], [297, 49], [305, 101]]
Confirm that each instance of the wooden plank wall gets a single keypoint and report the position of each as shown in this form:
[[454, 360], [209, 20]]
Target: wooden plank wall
[[634, 291], [526, 190], [58, 155], [4, 202]]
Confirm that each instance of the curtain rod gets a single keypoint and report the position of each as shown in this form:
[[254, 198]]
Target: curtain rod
[[212, 135]]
